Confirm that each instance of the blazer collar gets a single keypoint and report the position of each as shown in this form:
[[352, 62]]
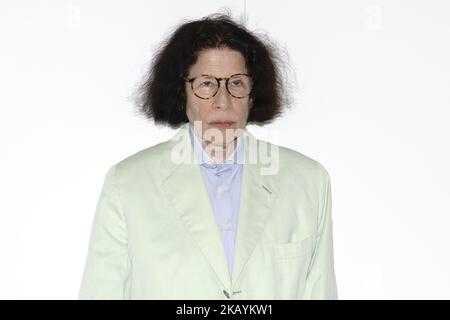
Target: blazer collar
[[184, 188]]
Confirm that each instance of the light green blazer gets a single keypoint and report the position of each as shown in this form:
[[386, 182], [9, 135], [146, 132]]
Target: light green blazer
[[154, 235]]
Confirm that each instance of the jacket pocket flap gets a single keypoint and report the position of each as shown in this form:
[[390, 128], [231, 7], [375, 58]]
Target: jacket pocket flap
[[291, 250]]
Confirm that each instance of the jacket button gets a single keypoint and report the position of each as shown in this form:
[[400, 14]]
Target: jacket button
[[226, 294]]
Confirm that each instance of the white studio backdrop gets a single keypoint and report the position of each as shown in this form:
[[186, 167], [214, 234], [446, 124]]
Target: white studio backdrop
[[372, 105]]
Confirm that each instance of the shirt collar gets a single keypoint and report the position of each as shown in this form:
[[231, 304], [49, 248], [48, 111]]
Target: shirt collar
[[234, 158]]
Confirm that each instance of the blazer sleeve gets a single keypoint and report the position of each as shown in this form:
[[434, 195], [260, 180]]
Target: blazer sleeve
[[321, 279], [107, 264]]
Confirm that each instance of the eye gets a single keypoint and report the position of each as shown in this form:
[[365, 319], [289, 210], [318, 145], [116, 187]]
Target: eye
[[206, 84], [236, 83]]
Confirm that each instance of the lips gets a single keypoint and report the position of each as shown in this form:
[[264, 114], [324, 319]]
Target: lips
[[222, 124]]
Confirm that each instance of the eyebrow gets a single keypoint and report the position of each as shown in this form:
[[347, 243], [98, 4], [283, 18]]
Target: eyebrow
[[211, 75]]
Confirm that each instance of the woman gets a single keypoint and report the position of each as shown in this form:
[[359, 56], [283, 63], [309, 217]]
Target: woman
[[212, 213]]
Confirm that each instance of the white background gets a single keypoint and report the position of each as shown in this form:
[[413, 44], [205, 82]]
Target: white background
[[372, 105]]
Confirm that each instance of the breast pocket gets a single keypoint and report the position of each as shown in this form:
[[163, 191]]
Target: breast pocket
[[292, 261], [291, 250]]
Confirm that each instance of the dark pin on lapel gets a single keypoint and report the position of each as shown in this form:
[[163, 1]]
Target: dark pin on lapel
[[267, 189]]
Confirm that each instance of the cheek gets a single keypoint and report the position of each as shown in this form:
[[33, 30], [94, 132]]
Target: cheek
[[194, 110], [191, 108], [243, 112]]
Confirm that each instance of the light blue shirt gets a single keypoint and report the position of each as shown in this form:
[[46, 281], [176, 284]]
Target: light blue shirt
[[223, 182]]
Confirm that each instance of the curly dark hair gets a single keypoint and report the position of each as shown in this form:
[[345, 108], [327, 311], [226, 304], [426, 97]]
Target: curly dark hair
[[162, 94]]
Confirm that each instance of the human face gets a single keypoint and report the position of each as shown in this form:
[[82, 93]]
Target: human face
[[222, 107]]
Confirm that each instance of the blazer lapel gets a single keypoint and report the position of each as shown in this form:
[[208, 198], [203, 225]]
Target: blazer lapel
[[185, 190], [259, 190]]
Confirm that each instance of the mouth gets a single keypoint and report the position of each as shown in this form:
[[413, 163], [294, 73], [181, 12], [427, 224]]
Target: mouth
[[222, 124]]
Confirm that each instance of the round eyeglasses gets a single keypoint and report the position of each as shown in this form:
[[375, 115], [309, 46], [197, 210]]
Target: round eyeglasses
[[238, 85]]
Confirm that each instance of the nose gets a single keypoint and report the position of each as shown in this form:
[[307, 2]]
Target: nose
[[222, 99]]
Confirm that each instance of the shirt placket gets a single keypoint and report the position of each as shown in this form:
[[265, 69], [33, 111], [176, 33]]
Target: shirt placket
[[225, 220]]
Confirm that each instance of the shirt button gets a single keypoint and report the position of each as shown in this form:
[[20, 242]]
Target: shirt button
[[225, 227], [220, 189], [226, 294]]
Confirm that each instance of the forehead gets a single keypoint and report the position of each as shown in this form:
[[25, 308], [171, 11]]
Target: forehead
[[218, 62]]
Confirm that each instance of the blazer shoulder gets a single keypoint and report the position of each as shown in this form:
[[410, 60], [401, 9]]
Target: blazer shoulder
[[147, 158], [292, 159]]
